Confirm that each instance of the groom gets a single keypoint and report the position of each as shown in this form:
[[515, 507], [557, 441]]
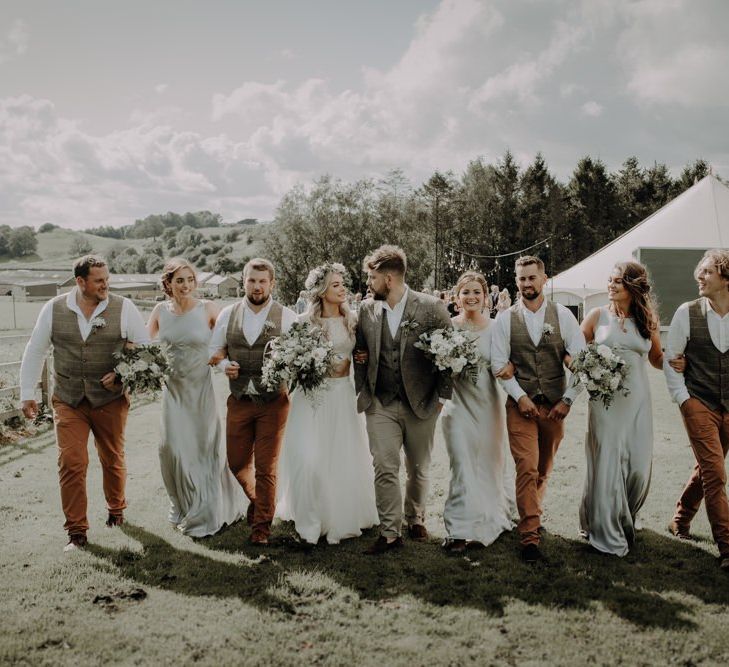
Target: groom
[[535, 335], [399, 391], [85, 327], [256, 416]]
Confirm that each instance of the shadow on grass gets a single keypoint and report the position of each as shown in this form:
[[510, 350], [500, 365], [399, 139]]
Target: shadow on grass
[[574, 578]]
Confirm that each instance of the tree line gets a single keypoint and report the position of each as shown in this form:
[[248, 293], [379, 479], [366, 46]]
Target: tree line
[[450, 222], [154, 225], [17, 241]]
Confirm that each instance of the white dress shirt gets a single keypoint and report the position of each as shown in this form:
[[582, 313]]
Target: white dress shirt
[[678, 336], [252, 326], [394, 315], [574, 342], [132, 328]]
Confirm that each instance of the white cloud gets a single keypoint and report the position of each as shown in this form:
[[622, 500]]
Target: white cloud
[[15, 41], [477, 77], [592, 109]]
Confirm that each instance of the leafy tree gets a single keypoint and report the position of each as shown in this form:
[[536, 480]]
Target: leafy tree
[[21, 242], [80, 246], [47, 227]]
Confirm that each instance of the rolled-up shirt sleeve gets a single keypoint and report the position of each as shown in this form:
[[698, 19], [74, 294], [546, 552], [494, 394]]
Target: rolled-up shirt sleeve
[[133, 327], [501, 351], [217, 340], [35, 353], [678, 336], [574, 342]]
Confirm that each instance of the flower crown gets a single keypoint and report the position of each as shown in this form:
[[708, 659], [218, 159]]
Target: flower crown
[[317, 277]]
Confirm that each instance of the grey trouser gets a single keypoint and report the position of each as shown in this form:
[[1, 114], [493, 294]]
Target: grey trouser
[[389, 428]]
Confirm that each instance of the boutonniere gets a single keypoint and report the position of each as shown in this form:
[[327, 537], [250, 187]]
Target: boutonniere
[[547, 330], [408, 326], [268, 325], [98, 323]]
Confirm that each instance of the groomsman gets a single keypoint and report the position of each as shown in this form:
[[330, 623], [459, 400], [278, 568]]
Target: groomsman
[[256, 416], [700, 331], [85, 327], [535, 335], [399, 391]]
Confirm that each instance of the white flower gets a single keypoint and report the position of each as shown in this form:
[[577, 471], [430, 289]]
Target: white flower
[[614, 382], [547, 330], [123, 368], [98, 323], [140, 366], [605, 352]]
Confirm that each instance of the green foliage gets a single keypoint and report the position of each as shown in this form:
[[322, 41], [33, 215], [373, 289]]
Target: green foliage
[[17, 241], [47, 227], [80, 246]]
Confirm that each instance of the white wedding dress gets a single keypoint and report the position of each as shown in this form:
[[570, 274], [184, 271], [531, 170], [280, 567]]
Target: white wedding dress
[[481, 497], [325, 474]]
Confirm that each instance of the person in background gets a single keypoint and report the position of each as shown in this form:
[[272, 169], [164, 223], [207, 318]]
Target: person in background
[[504, 301], [493, 299], [301, 303]]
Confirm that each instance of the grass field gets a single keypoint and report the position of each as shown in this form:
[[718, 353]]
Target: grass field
[[54, 247], [148, 595]]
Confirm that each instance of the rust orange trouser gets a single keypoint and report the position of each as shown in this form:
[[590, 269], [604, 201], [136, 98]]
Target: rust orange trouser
[[73, 426], [254, 433], [708, 432], [533, 444]]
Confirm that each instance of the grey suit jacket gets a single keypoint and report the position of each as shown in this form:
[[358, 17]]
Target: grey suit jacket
[[422, 381]]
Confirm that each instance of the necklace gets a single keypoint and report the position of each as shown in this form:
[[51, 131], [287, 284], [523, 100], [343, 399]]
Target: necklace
[[621, 317]]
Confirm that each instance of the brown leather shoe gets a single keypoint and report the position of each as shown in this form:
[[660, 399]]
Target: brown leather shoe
[[75, 541], [382, 545], [418, 533], [249, 513], [114, 520], [679, 531], [259, 538]]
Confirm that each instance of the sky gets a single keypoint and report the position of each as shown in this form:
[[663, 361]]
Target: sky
[[111, 111]]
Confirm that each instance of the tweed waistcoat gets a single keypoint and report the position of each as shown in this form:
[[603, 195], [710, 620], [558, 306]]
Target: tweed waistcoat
[[539, 368], [250, 357], [707, 370], [78, 364], [389, 374]]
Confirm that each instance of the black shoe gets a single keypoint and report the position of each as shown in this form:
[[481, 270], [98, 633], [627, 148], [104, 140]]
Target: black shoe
[[417, 532], [114, 520], [382, 545], [531, 553], [454, 546]]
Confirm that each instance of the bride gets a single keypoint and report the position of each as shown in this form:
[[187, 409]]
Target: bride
[[326, 479]]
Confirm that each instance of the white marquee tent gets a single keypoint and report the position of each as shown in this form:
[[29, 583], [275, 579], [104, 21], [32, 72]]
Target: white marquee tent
[[697, 218]]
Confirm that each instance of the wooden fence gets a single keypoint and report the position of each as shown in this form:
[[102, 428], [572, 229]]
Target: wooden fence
[[13, 393]]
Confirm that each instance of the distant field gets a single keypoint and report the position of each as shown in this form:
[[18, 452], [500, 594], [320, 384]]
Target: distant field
[[54, 247]]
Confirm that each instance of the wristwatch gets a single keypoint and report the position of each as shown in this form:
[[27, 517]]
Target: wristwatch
[[567, 401]]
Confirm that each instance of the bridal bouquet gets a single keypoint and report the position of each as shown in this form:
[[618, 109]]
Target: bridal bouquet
[[141, 368], [452, 350], [301, 357], [602, 372]]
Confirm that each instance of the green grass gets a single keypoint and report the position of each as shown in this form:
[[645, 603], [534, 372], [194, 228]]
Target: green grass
[[149, 595]]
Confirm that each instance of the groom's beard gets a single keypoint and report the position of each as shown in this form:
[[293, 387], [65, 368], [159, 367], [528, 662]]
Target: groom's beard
[[257, 300], [531, 295], [380, 296]]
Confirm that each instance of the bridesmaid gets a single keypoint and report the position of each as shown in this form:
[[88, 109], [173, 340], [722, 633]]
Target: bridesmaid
[[619, 441], [203, 493], [477, 510]]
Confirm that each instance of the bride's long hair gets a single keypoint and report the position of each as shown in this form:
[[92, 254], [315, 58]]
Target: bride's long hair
[[317, 283], [638, 285]]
